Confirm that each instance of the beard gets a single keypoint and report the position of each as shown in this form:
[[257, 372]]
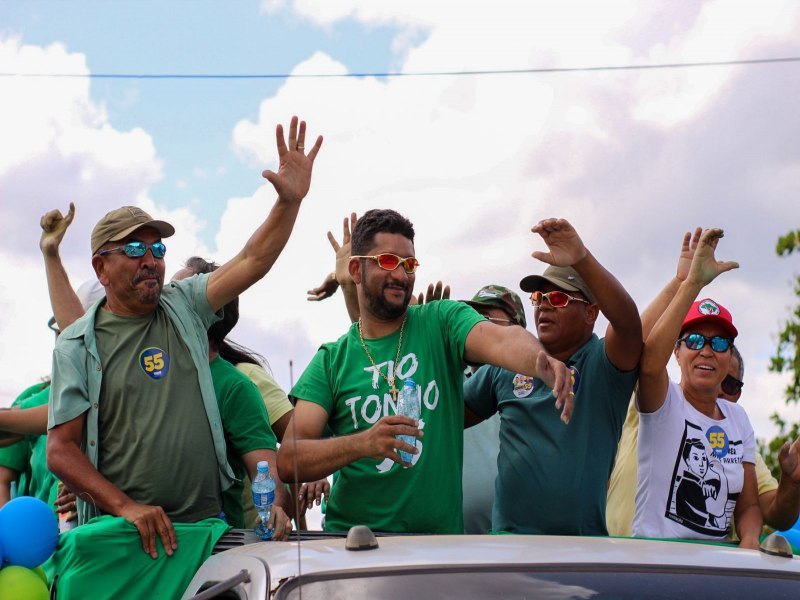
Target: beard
[[150, 292], [380, 308]]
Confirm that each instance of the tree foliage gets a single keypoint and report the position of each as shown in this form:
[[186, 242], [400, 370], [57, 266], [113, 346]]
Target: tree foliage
[[771, 449], [786, 360], [787, 355]]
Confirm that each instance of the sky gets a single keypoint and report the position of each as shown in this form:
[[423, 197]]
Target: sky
[[632, 158]]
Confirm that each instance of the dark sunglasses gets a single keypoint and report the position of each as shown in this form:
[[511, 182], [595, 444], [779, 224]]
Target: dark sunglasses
[[696, 341], [731, 385], [556, 299], [389, 262], [137, 250]]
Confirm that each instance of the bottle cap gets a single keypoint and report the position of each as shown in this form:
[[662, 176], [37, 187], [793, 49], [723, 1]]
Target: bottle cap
[[262, 465]]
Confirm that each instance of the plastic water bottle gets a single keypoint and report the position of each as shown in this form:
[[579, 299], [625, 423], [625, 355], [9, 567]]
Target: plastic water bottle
[[263, 497], [408, 406]]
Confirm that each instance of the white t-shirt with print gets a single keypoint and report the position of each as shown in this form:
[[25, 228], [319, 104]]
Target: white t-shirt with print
[[691, 469]]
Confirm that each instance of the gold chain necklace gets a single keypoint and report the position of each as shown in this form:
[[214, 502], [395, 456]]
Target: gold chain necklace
[[392, 390]]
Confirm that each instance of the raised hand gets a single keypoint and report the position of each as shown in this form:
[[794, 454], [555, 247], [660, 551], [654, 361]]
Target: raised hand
[[54, 226], [326, 289], [789, 458], [563, 242], [705, 267], [688, 247], [293, 178], [342, 250], [434, 293]]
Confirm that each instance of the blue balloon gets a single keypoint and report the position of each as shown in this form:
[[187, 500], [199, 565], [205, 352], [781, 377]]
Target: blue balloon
[[28, 532]]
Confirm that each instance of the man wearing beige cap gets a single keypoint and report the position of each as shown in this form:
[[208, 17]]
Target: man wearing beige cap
[[134, 425], [552, 477]]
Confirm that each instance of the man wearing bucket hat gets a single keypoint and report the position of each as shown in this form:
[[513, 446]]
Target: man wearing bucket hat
[[131, 381], [552, 477]]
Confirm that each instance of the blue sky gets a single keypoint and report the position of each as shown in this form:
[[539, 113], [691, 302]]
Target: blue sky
[[203, 37], [632, 158]]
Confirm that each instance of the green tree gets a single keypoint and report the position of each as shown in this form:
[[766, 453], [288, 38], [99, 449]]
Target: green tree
[[787, 356], [786, 360]]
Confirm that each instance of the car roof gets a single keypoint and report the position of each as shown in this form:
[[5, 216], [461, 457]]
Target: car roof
[[329, 556]]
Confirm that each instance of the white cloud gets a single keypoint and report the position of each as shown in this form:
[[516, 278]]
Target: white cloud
[[632, 158], [58, 147]]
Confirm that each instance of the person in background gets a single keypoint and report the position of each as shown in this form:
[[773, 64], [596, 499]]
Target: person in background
[[503, 307]]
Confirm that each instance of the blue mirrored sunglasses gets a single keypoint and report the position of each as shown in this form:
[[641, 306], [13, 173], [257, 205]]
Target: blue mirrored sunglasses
[[696, 341], [137, 250]]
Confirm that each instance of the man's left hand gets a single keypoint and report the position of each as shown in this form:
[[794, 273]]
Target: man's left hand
[[293, 178], [563, 242]]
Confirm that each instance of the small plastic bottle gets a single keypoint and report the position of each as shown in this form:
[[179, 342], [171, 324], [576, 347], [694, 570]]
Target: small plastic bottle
[[263, 497], [408, 406]]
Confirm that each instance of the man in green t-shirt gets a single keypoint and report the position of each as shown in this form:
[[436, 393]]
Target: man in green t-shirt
[[134, 428], [351, 386]]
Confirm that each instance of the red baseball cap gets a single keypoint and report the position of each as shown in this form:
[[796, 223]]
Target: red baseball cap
[[710, 311]]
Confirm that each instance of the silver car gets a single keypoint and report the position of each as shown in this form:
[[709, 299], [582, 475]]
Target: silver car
[[411, 567]]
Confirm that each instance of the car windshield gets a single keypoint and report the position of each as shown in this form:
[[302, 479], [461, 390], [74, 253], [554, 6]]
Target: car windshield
[[604, 582]]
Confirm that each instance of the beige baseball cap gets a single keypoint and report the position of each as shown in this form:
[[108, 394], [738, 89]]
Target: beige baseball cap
[[120, 223]]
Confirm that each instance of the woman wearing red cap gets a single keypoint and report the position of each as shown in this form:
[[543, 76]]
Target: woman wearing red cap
[[696, 451]]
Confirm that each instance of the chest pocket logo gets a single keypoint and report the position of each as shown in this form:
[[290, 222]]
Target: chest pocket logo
[[154, 362]]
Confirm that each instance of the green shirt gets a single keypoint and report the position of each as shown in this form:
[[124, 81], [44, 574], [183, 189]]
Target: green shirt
[[78, 372], [381, 493], [28, 455], [246, 425], [552, 478], [155, 441]]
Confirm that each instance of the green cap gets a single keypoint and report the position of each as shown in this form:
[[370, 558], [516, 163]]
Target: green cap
[[499, 297], [564, 278]]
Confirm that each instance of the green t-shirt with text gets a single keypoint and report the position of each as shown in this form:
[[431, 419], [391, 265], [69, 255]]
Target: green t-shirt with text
[[425, 498]]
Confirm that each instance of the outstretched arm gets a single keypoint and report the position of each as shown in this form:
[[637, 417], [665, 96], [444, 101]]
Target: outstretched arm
[[291, 182], [24, 421], [653, 378], [566, 249], [303, 456], [517, 350], [66, 305]]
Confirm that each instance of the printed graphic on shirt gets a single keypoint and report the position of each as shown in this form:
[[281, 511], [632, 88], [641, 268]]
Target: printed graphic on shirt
[[154, 362], [700, 498], [366, 410], [523, 385]]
